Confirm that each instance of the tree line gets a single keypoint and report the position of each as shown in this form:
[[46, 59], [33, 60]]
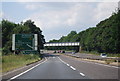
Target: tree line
[[102, 38], [9, 28]]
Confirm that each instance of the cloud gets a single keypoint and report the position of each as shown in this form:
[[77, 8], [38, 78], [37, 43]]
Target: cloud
[[60, 0], [58, 19], [104, 10], [65, 16], [78, 16], [72, 20], [33, 6], [1, 14]]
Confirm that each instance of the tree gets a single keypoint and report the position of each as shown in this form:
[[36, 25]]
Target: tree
[[9, 28], [102, 38]]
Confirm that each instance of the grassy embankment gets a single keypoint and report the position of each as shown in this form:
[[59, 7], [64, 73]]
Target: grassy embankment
[[107, 61], [96, 53], [11, 62]]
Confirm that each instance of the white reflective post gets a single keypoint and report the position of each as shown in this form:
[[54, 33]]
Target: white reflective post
[[13, 42]]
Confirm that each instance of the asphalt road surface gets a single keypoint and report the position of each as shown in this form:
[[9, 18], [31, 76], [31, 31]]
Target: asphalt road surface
[[52, 68], [91, 69], [65, 67]]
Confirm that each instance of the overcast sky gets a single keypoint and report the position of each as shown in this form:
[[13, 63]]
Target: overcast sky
[[57, 19]]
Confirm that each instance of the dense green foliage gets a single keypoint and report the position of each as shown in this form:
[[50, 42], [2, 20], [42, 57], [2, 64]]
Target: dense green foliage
[[71, 37], [102, 38], [9, 28]]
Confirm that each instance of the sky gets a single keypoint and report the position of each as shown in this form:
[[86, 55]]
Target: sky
[[57, 19]]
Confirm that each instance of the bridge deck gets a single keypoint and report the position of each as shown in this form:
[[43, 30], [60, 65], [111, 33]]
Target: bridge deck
[[63, 44]]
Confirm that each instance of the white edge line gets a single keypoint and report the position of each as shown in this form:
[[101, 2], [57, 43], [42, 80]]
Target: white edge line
[[82, 74], [100, 64], [26, 70], [107, 65], [62, 61]]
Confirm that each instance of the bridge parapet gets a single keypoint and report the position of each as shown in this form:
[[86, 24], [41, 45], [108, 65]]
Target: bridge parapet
[[63, 44]]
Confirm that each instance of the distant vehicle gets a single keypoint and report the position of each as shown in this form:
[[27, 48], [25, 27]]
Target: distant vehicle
[[73, 52], [54, 51], [103, 55], [63, 51]]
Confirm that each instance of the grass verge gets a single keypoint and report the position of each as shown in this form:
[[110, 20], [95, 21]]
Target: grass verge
[[96, 53], [11, 62], [107, 61]]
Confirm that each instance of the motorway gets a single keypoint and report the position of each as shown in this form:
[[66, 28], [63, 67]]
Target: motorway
[[91, 69], [64, 67], [53, 68]]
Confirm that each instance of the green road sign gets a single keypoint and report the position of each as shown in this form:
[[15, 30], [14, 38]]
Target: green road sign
[[30, 52], [24, 42]]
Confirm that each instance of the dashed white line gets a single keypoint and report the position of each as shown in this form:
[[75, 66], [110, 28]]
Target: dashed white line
[[26, 70], [82, 74], [68, 65], [72, 68]]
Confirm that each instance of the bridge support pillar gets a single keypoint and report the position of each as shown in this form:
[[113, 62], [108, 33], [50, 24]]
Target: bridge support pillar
[[80, 49]]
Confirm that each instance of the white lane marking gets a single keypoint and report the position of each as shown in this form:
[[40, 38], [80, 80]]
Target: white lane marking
[[82, 74], [47, 58], [26, 70], [72, 68], [68, 65], [62, 61], [107, 65], [100, 64]]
